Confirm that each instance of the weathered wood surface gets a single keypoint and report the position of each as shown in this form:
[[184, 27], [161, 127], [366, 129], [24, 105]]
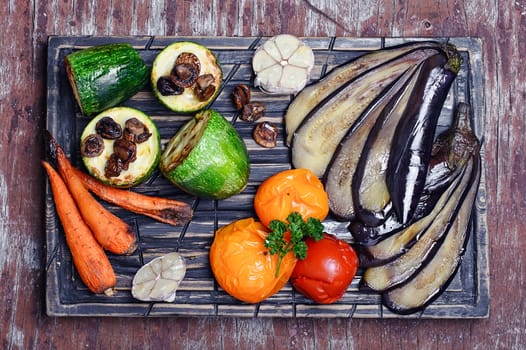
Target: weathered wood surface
[[26, 25]]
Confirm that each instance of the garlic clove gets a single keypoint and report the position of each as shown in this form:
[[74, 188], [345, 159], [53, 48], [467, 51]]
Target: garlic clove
[[287, 45], [282, 64], [291, 76], [159, 279], [262, 60], [302, 57]]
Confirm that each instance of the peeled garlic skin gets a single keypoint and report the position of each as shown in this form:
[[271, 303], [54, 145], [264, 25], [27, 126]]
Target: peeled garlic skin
[[282, 65], [159, 279]]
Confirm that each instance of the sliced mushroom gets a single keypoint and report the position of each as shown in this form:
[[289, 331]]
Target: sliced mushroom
[[136, 131], [167, 87], [241, 96], [108, 128], [253, 111], [266, 134], [126, 151], [205, 88], [92, 146], [190, 59], [186, 70], [113, 166]]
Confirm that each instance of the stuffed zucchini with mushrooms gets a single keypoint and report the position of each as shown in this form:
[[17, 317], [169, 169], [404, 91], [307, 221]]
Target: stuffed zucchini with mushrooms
[[121, 146], [186, 77]]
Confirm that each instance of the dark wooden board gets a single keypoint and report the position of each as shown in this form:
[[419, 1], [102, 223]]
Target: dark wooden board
[[466, 297]]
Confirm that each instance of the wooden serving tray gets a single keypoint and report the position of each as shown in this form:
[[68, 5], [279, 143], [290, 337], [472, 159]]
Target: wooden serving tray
[[199, 295]]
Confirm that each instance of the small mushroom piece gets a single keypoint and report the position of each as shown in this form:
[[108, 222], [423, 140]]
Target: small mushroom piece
[[190, 59], [204, 88], [126, 151], [266, 134], [92, 146], [113, 166], [186, 70], [136, 131], [108, 128], [241, 96], [167, 87], [159, 279], [253, 111]]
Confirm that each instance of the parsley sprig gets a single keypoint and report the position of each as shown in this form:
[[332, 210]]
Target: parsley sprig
[[299, 229]]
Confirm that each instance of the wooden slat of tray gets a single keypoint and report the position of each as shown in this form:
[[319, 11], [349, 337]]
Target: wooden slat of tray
[[466, 297]]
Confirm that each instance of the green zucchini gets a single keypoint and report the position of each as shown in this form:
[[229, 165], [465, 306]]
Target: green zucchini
[[132, 131], [207, 157], [104, 76], [186, 95]]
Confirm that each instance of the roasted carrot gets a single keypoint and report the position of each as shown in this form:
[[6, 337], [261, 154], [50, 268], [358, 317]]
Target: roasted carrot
[[112, 233], [89, 258], [165, 210]]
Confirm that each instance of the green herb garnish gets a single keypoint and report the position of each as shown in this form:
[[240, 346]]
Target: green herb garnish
[[299, 230]]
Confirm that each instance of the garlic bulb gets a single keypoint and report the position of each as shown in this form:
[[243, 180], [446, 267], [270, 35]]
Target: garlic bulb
[[282, 65], [159, 279]]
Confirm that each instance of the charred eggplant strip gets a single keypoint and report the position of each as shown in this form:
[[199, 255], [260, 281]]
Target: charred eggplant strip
[[319, 134], [339, 174], [370, 195], [450, 152], [402, 269], [411, 151], [434, 278], [313, 94], [392, 247]]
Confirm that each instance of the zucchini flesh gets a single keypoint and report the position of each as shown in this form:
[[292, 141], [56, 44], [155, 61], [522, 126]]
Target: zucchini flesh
[[104, 76], [434, 278], [315, 93], [319, 134], [414, 136]]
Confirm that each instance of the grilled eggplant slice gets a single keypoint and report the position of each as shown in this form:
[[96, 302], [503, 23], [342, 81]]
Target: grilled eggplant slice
[[370, 195], [315, 93], [450, 152], [434, 278], [414, 136], [386, 276], [339, 174], [319, 134], [399, 242]]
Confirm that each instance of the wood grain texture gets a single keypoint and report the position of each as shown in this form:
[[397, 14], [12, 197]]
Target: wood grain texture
[[26, 25]]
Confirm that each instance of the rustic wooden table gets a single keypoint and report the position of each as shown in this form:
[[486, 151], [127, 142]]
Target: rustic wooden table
[[26, 26]]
